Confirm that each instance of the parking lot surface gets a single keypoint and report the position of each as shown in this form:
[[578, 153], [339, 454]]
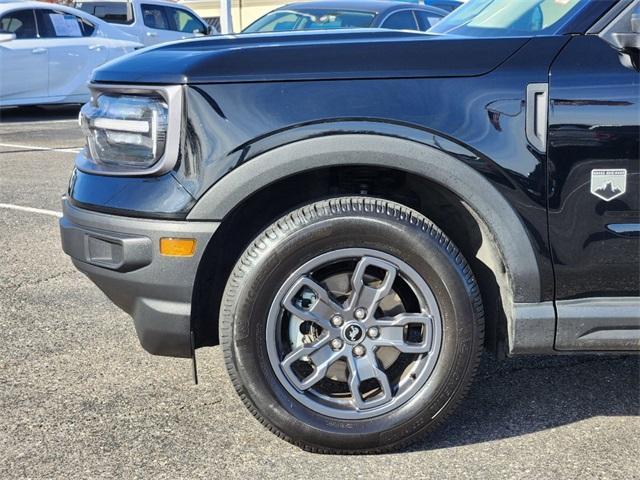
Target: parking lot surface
[[79, 398]]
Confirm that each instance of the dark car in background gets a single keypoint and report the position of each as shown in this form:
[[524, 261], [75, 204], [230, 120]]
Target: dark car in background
[[342, 14], [447, 5]]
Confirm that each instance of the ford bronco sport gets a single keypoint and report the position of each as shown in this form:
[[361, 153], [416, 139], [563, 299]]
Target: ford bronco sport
[[355, 215]]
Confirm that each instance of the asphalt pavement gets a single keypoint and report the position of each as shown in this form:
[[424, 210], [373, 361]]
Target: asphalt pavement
[[79, 398]]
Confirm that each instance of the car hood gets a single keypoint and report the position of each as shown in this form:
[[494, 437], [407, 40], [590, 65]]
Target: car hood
[[355, 54]]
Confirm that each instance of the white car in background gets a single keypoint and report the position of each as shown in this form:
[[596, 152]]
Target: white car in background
[[47, 52], [150, 21]]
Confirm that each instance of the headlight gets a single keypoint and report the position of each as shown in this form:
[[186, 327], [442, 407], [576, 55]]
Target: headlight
[[131, 130]]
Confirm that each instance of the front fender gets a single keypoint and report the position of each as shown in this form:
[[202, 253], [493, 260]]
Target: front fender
[[506, 227]]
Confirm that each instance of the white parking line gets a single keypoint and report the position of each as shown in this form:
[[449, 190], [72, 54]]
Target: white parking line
[[42, 211], [35, 122], [12, 123], [34, 147]]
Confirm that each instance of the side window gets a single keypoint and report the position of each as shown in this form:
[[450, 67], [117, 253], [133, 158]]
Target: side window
[[154, 16], [183, 21], [87, 27], [21, 22], [446, 6], [120, 13], [56, 24], [279, 22], [403, 20], [426, 20]]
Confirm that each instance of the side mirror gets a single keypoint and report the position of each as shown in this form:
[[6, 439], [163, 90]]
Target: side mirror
[[624, 36], [7, 37], [210, 30], [629, 40]]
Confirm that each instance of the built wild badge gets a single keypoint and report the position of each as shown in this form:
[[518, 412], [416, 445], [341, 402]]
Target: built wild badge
[[608, 184]]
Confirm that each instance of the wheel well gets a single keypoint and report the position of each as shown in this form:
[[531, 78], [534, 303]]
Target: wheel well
[[436, 202]]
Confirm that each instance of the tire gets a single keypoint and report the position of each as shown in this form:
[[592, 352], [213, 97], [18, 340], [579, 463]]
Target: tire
[[277, 293]]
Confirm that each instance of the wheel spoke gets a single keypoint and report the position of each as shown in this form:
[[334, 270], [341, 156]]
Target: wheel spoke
[[321, 356], [392, 332], [338, 342], [365, 368], [321, 310], [365, 296]]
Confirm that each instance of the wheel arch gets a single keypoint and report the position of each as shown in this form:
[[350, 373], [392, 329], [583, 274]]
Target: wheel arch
[[501, 247]]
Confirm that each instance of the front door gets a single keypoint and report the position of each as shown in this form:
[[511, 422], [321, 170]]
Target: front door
[[24, 61], [594, 195], [73, 53], [167, 24], [156, 25]]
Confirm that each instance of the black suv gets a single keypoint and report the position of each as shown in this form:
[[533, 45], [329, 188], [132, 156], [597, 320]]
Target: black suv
[[353, 216]]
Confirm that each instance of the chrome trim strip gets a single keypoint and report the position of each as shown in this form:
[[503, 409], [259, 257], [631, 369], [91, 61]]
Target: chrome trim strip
[[173, 95], [627, 229]]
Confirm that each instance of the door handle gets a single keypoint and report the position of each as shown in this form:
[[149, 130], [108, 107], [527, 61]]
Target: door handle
[[96, 47], [537, 115], [39, 50], [152, 34]]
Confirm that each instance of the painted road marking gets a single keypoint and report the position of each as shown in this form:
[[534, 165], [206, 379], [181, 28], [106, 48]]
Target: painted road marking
[[13, 123], [42, 211], [34, 147]]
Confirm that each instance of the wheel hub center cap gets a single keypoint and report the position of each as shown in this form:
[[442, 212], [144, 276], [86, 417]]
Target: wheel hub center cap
[[353, 333]]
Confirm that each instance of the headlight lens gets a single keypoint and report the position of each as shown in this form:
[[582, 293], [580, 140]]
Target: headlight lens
[[125, 130]]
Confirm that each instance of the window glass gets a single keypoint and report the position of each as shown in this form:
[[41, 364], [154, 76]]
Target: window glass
[[311, 19], [87, 27], [426, 20], [56, 24], [183, 21], [111, 12], [446, 5], [403, 20], [508, 18], [154, 17], [22, 23], [275, 22]]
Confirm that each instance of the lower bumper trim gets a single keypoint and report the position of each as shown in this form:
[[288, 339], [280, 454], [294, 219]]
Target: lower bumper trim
[[121, 256]]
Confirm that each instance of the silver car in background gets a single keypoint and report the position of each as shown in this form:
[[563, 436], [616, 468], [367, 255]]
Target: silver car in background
[[48, 51]]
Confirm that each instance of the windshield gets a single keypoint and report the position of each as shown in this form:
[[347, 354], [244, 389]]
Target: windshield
[[312, 19], [490, 18]]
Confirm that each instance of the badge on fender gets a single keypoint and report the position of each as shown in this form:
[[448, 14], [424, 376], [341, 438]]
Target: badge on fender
[[608, 183]]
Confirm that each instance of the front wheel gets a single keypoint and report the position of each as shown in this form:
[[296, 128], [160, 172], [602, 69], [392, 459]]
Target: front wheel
[[351, 325]]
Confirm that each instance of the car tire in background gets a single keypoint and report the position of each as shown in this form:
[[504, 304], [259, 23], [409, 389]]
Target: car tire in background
[[351, 325]]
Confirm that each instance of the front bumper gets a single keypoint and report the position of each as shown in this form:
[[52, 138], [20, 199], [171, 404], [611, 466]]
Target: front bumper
[[121, 256]]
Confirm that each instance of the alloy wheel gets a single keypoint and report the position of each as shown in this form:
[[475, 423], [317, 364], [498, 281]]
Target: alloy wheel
[[354, 333]]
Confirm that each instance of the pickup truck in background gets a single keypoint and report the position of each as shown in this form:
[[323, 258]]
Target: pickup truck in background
[[150, 21]]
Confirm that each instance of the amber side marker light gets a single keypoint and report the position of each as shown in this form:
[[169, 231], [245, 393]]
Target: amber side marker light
[[177, 247]]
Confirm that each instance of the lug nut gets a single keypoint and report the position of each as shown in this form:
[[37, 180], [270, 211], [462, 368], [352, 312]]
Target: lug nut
[[337, 320], [373, 332], [359, 350], [360, 313], [336, 344]]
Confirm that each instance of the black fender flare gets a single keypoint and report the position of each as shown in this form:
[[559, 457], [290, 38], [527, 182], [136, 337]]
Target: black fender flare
[[469, 185]]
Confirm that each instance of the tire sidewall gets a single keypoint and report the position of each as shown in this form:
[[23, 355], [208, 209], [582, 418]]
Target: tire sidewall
[[435, 260]]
